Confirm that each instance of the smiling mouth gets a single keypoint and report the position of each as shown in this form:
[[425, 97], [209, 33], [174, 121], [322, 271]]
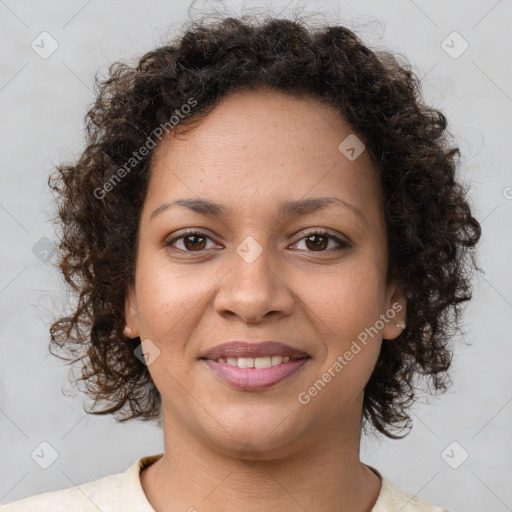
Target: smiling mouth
[[256, 362], [253, 374]]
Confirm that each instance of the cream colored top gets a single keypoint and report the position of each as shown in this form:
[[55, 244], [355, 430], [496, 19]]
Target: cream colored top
[[122, 492]]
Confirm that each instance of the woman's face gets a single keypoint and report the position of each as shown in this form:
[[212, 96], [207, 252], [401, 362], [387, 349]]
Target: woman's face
[[256, 272]]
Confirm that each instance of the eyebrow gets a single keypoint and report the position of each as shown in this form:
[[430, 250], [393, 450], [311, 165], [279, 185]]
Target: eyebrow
[[287, 209]]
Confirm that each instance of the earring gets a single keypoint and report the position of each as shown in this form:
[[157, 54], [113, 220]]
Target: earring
[[401, 326]]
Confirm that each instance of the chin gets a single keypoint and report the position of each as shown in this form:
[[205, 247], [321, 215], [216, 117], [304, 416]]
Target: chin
[[264, 438]]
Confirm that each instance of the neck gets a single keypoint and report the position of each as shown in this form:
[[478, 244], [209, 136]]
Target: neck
[[324, 473]]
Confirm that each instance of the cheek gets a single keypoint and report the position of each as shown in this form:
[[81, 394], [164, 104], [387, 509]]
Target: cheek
[[345, 301], [168, 301], [169, 312], [346, 305]]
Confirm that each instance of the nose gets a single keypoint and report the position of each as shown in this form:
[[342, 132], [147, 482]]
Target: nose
[[254, 290]]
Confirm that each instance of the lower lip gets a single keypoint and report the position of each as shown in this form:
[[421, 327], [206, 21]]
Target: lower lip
[[250, 379]]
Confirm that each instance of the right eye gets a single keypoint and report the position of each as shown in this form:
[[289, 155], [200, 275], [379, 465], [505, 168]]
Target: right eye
[[193, 240]]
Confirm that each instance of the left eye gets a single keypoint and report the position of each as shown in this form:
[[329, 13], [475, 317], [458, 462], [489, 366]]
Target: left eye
[[320, 240]]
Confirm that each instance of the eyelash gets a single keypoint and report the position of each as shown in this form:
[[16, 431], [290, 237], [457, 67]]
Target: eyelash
[[195, 231]]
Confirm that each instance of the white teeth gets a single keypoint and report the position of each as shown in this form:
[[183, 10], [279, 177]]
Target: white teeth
[[254, 362], [245, 362], [263, 362]]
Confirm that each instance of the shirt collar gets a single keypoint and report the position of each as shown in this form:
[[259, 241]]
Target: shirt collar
[[132, 496]]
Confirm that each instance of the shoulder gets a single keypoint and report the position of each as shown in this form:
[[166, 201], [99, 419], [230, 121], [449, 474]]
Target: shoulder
[[394, 499], [111, 493]]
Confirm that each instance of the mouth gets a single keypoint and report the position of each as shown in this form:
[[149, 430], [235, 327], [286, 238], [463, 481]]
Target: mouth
[[254, 366], [253, 350], [256, 362]]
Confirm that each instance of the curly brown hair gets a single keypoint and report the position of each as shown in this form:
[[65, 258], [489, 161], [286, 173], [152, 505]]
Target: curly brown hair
[[430, 227]]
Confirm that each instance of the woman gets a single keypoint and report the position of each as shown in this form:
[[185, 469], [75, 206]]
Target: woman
[[270, 245]]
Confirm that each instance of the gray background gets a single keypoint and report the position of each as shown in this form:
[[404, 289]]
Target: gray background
[[42, 104]]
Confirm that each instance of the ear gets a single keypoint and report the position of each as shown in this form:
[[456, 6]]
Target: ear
[[130, 314], [395, 311]]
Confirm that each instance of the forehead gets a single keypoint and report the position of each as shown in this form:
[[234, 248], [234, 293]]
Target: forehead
[[281, 120], [261, 144]]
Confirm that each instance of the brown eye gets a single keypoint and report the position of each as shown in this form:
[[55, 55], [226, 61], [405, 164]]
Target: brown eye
[[194, 242], [319, 242], [191, 241]]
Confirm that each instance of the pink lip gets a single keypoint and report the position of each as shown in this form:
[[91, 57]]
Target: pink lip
[[250, 379], [248, 349]]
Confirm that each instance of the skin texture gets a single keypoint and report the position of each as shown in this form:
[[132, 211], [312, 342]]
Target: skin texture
[[262, 449]]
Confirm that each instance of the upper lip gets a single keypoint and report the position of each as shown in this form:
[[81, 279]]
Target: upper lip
[[253, 349]]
